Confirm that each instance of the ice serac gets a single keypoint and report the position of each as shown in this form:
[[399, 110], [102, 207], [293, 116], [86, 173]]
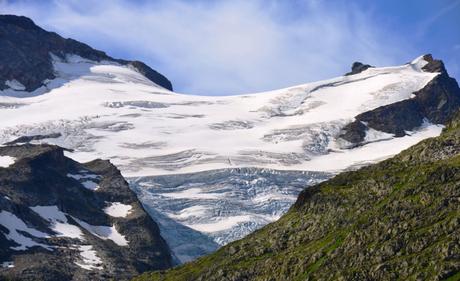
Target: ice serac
[[221, 205], [53, 228], [26, 55], [200, 164]]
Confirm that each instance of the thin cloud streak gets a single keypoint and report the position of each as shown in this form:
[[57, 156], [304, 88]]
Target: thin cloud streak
[[226, 47], [424, 26]]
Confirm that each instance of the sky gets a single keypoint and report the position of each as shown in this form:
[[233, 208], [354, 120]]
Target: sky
[[244, 46]]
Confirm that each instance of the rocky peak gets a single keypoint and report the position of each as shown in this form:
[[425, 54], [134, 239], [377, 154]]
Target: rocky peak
[[434, 65], [437, 103], [64, 220], [19, 21], [358, 67], [25, 54]]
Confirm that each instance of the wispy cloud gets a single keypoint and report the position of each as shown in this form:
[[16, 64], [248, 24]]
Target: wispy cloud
[[225, 47], [436, 16]]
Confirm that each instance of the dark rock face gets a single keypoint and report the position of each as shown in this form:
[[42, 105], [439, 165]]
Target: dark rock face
[[358, 67], [437, 102], [354, 132], [40, 177], [151, 74], [394, 118], [433, 65], [25, 50]]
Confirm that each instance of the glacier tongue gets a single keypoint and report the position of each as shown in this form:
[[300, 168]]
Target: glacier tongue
[[218, 206]]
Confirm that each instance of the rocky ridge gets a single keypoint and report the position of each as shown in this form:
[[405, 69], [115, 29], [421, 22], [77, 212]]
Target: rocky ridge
[[26, 52], [437, 102], [62, 220]]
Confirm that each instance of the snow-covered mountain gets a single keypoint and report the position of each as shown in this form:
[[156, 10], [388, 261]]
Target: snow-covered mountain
[[107, 110], [184, 154]]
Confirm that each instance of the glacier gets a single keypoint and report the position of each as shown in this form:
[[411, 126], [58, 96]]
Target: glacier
[[210, 169]]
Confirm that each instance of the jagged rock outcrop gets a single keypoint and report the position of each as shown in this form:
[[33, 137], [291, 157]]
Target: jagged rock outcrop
[[396, 220], [25, 54], [62, 220], [437, 102], [358, 67]]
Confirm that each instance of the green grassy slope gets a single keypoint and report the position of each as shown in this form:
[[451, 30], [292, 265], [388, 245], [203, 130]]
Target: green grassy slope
[[396, 220]]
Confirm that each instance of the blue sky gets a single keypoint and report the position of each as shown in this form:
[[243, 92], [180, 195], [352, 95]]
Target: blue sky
[[241, 46]]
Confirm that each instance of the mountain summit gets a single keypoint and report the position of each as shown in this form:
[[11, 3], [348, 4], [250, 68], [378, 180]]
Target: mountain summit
[[26, 55]]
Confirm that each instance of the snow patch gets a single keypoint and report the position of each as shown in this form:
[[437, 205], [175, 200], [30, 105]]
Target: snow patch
[[6, 161], [15, 85], [58, 220], [86, 179], [118, 210], [14, 225], [7, 264], [90, 260], [91, 185], [104, 232], [83, 175]]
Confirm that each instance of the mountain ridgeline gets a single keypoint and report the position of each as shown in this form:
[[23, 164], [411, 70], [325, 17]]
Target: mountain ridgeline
[[396, 220], [204, 171], [26, 54]]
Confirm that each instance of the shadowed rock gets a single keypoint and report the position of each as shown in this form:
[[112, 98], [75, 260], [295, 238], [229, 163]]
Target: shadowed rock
[[25, 50], [358, 67], [43, 177]]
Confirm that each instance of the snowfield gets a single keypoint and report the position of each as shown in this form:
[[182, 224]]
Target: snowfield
[[111, 111], [106, 110]]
